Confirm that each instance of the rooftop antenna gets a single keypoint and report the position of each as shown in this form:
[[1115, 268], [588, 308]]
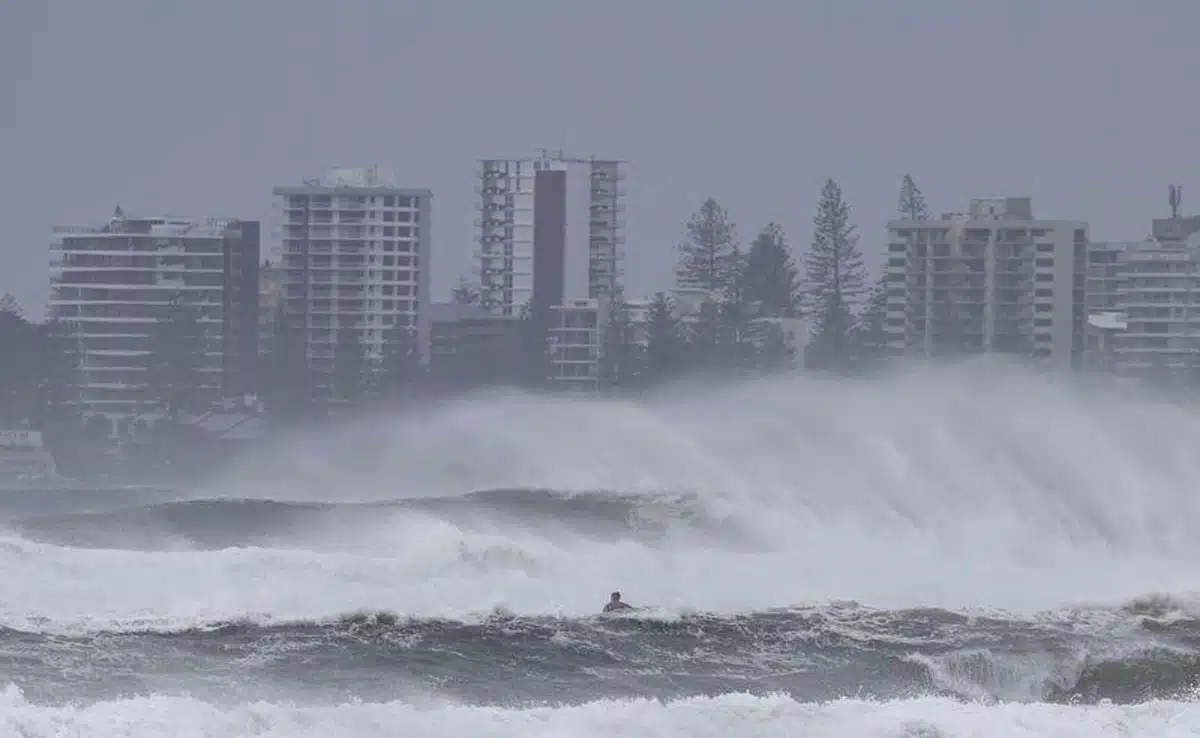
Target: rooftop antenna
[[1175, 197]]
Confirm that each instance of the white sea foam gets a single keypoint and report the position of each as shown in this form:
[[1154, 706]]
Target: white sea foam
[[983, 487], [728, 715]]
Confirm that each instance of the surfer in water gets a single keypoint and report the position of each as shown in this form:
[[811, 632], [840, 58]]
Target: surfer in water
[[615, 603]]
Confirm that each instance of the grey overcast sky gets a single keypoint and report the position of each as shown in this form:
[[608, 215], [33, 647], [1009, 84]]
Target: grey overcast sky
[[201, 106]]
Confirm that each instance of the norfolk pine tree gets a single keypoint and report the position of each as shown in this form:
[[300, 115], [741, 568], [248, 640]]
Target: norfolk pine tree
[[177, 350], [664, 341], [708, 256], [621, 356], [287, 380], [871, 331], [769, 284], [400, 367], [912, 202], [834, 280], [59, 364], [20, 341]]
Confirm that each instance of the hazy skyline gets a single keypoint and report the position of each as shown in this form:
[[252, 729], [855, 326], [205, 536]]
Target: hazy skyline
[[194, 108]]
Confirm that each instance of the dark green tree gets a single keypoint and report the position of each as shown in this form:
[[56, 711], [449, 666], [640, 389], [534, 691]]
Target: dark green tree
[[770, 284], [665, 348], [775, 351], [835, 279], [465, 293], [718, 340], [871, 330], [703, 337], [400, 368], [536, 357], [20, 346], [174, 373], [708, 253], [10, 306], [60, 372], [287, 379], [622, 356], [912, 202], [735, 330]]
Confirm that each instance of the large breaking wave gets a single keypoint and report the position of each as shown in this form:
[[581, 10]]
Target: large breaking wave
[[1009, 535]]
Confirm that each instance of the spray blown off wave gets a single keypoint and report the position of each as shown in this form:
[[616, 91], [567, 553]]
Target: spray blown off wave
[[1010, 515]]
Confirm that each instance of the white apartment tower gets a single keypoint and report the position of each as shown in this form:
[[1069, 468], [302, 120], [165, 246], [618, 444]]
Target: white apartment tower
[[1159, 296], [993, 279], [551, 231], [551, 236], [111, 285], [355, 250]]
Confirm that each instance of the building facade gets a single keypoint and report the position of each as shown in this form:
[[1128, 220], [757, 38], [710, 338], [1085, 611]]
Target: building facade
[[112, 286], [270, 301], [355, 251], [993, 279], [551, 241], [1105, 275], [551, 230], [470, 347], [1159, 299]]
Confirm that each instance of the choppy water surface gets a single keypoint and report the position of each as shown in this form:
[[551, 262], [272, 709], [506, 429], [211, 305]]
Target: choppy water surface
[[973, 553]]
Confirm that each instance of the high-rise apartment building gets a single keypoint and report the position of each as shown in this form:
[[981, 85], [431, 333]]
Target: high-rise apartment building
[[1105, 275], [1159, 297], [551, 231], [355, 250], [551, 236], [113, 284], [993, 279]]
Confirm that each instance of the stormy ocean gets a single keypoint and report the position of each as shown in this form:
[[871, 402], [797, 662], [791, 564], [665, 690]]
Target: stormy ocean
[[955, 553]]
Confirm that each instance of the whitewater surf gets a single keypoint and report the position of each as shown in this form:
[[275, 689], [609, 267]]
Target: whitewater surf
[[979, 551]]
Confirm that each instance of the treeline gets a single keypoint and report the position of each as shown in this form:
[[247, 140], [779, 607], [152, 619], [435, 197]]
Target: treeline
[[295, 389], [38, 366], [734, 304], [747, 299]]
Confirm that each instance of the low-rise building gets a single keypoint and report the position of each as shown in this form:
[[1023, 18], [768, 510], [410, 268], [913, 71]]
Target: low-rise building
[[472, 347]]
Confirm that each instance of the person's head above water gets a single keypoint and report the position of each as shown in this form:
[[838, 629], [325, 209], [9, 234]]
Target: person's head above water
[[616, 597]]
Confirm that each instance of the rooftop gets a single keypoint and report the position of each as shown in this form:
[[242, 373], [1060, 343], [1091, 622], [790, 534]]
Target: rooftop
[[160, 225], [342, 179]]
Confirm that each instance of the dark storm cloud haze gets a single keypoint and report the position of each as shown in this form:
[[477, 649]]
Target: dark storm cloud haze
[[201, 107]]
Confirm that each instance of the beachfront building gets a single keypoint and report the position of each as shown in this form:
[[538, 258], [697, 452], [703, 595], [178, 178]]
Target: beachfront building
[[992, 279], [355, 249], [551, 241], [114, 285]]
